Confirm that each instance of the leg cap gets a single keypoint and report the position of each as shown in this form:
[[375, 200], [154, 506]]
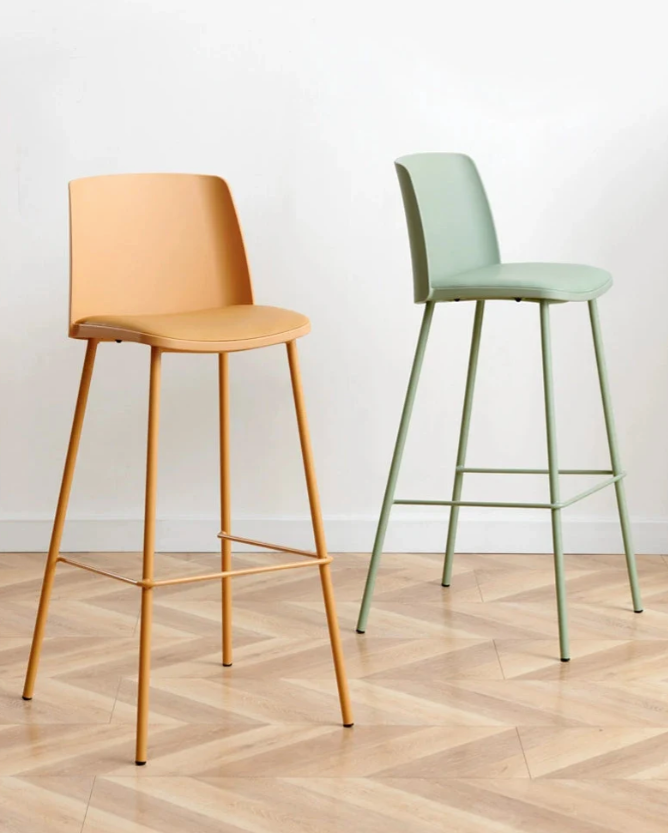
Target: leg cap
[[227, 665], [348, 725], [26, 698], [566, 660], [359, 631], [445, 585], [140, 763], [638, 611]]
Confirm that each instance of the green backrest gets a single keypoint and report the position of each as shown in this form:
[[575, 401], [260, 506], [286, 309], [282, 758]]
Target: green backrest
[[450, 223]]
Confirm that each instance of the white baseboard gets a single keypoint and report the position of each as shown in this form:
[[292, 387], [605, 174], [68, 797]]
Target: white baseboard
[[406, 533]]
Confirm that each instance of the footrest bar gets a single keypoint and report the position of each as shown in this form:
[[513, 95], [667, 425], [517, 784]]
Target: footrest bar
[[294, 565], [277, 547], [249, 571], [593, 489], [91, 569], [503, 505], [487, 504], [469, 470]]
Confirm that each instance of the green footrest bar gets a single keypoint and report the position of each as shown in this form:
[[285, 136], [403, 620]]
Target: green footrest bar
[[493, 504]]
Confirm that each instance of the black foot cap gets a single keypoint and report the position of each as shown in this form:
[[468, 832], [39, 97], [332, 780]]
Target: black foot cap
[[638, 611], [26, 698], [359, 631], [140, 763], [348, 725], [565, 660], [227, 665], [445, 585]]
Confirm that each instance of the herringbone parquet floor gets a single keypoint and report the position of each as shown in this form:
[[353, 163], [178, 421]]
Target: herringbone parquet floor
[[465, 720]]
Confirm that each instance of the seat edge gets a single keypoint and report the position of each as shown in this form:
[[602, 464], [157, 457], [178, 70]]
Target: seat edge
[[102, 332]]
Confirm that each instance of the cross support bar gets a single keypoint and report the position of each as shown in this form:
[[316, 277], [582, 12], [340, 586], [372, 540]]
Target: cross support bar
[[562, 504], [293, 565], [277, 547], [597, 488], [249, 571], [91, 569], [465, 470]]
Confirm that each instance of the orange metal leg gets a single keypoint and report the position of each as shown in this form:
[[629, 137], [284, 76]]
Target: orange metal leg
[[319, 533], [59, 521], [225, 504], [149, 552]]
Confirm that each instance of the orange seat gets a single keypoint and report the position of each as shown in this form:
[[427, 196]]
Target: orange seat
[[223, 329]]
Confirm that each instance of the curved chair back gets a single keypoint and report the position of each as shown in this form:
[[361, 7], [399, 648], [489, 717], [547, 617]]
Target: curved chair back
[[450, 223], [154, 243]]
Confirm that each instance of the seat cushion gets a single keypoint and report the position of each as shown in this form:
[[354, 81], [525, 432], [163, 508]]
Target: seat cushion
[[527, 281], [223, 329]]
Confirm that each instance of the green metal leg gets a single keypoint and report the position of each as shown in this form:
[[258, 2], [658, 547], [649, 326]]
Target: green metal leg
[[614, 457], [553, 466], [394, 468], [463, 442]]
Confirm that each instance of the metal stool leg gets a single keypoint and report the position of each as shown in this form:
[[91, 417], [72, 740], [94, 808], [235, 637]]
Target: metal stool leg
[[553, 466], [149, 553], [463, 442], [59, 521], [395, 466], [225, 504], [319, 534], [614, 457]]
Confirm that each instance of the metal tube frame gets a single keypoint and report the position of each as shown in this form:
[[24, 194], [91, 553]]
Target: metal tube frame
[[147, 583], [615, 474]]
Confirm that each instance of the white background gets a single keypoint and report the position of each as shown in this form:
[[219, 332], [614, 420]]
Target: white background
[[303, 106]]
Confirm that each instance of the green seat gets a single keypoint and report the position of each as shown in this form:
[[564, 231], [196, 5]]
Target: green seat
[[524, 282], [455, 257]]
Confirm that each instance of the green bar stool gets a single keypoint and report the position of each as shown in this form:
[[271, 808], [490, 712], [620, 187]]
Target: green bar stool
[[455, 257]]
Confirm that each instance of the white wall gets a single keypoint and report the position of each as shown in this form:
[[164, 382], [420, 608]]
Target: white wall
[[303, 106]]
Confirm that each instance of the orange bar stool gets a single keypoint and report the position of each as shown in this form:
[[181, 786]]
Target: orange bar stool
[[159, 259]]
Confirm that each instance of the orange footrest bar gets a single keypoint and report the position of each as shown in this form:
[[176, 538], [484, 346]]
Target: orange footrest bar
[[249, 571], [277, 547], [91, 569]]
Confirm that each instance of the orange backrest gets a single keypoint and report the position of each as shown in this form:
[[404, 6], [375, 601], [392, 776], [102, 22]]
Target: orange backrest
[[154, 243]]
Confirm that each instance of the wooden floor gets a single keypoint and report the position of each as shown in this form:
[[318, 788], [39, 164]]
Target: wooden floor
[[465, 719]]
